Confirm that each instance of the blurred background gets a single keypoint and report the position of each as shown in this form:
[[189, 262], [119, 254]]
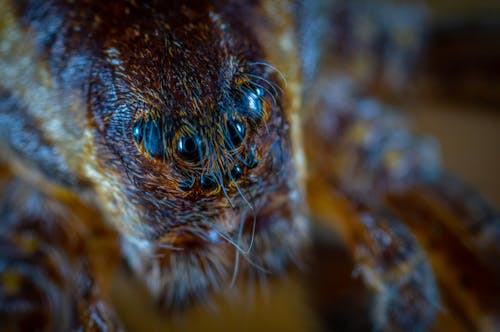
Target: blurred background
[[458, 90], [438, 62]]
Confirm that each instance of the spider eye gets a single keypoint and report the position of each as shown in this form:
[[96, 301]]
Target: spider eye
[[254, 104], [235, 133], [208, 182], [150, 134], [189, 148], [250, 104], [236, 172], [137, 131]]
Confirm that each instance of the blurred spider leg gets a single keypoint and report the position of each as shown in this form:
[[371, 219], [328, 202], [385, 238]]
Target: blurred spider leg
[[391, 262], [369, 156], [54, 268], [386, 257], [461, 233]]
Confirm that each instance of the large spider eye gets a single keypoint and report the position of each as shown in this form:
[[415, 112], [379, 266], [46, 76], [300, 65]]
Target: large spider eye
[[150, 134], [189, 148], [235, 133]]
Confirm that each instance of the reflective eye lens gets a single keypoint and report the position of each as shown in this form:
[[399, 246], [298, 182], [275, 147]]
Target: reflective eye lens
[[137, 131], [189, 148], [208, 182], [236, 133], [236, 172], [150, 134], [153, 141], [250, 104], [254, 103]]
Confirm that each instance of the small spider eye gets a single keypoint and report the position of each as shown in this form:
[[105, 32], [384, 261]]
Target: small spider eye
[[254, 103], [235, 134], [150, 134], [250, 104], [208, 182], [236, 172], [189, 148]]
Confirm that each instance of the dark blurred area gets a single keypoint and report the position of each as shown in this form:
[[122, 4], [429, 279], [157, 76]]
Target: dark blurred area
[[436, 49], [462, 61], [436, 61], [459, 90], [457, 97]]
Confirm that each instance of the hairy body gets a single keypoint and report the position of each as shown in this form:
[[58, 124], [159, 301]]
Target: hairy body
[[182, 124], [169, 119]]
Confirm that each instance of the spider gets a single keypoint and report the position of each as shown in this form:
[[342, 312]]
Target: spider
[[203, 143]]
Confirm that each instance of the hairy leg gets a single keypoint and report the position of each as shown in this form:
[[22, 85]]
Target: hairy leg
[[372, 162], [54, 263], [384, 266]]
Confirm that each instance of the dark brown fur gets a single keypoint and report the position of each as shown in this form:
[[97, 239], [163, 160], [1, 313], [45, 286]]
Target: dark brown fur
[[133, 81], [182, 123]]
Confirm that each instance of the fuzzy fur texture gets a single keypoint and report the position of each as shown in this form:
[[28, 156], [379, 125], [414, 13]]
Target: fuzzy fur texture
[[174, 123], [183, 123]]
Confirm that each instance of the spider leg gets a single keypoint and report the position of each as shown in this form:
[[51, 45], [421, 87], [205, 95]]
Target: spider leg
[[384, 259], [54, 267], [461, 233], [393, 264], [371, 163]]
